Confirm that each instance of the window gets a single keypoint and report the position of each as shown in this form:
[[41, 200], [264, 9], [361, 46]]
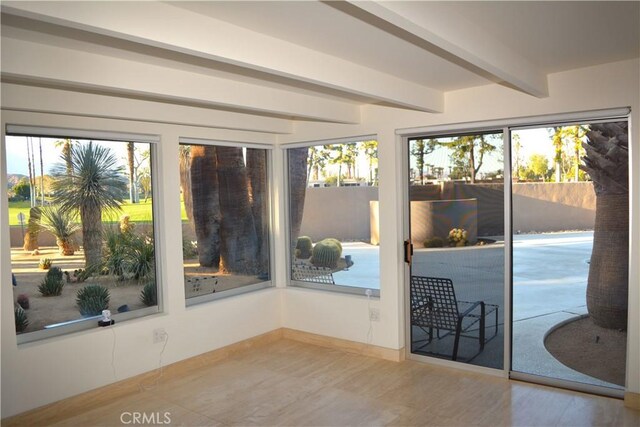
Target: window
[[225, 219], [333, 211], [82, 231]]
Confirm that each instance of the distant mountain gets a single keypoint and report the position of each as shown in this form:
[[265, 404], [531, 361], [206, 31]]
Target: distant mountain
[[13, 179]]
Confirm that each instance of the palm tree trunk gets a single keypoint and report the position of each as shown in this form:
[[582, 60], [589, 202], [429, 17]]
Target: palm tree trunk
[[133, 196], [297, 190], [33, 229], [41, 173], [238, 237], [608, 283], [257, 173], [91, 217], [31, 198], [206, 205], [185, 182]]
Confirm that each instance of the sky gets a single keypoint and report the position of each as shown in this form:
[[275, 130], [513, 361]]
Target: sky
[[17, 162]]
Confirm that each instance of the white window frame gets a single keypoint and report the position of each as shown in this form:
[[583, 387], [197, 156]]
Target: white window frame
[[352, 290], [90, 323], [189, 302]]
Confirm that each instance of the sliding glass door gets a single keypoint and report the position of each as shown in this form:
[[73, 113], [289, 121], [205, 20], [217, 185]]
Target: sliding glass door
[[545, 246]]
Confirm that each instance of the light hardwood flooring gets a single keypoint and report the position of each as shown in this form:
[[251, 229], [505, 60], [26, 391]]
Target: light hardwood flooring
[[289, 383]]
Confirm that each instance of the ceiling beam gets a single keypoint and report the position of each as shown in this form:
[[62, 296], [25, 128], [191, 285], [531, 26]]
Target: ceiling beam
[[47, 100], [33, 63], [458, 40], [165, 26]]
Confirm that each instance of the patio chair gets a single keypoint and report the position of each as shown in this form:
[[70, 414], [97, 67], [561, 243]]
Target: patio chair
[[434, 306], [309, 273]]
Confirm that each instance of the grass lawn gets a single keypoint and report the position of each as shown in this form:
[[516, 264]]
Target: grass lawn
[[139, 212]]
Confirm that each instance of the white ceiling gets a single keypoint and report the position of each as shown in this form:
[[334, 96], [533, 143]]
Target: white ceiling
[[319, 26], [554, 35], [331, 56]]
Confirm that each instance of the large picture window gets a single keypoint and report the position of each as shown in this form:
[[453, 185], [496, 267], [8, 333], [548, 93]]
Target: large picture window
[[81, 231], [333, 212], [225, 220]]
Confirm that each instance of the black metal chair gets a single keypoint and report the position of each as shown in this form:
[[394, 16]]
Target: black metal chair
[[434, 306]]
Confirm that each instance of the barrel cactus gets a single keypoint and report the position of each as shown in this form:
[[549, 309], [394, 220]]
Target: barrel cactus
[[326, 253], [304, 247]]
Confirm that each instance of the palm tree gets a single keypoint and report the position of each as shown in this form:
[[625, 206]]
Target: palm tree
[[133, 194], [95, 185], [238, 238], [206, 204], [370, 149], [67, 149], [184, 157], [297, 159], [258, 194], [60, 223], [607, 163]]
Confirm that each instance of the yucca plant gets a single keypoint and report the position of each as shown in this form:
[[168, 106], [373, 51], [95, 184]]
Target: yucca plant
[[45, 263], [60, 223], [149, 294], [140, 258], [92, 299], [21, 319], [52, 284]]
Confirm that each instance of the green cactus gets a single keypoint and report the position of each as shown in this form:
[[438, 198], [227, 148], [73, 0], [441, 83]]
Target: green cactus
[[304, 246], [336, 241], [326, 253], [92, 299], [21, 319]]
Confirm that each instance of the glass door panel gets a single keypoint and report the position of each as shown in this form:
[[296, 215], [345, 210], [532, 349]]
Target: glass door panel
[[456, 198], [570, 252]]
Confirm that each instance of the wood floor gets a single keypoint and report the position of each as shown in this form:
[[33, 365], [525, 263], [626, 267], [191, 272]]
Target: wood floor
[[288, 383]]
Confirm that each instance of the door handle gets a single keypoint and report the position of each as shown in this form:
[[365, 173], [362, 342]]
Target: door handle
[[408, 251]]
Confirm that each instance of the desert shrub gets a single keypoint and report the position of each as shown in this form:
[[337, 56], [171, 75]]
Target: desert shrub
[[304, 246], [126, 226], [140, 258], [458, 237], [52, 284], [189, 248], [114, 253], [326, 253], [45, 263], [92, 299], [23, 301], [128, 255], [434, 242], [149, 294], [21, 319]]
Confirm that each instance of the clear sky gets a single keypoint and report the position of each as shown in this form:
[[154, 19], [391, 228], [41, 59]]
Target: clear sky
[[17, 162]]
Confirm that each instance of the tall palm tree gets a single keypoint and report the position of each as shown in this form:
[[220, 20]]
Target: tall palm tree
[[95, 185], [67, 148], [238, 237], [258, 195], [184, 157], [607, 163], [370, 149], [206, 204], [297, 159], [133, 193]]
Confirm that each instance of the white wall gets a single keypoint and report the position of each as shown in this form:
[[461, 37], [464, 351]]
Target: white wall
[[600, 87], [41, 372]]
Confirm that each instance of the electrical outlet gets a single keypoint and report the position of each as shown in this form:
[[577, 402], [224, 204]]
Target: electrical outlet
[[159, 335], [374, 314]]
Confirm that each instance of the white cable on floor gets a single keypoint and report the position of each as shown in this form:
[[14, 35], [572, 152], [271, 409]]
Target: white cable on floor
[[143, 386]]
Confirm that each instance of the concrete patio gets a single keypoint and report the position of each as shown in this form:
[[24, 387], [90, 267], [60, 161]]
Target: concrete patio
[[549, 276]]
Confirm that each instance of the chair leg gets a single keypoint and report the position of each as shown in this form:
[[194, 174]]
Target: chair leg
[[482, 323], [457, 339]]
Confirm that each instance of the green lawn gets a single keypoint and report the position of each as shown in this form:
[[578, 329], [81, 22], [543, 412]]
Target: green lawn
[[139, 212]]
